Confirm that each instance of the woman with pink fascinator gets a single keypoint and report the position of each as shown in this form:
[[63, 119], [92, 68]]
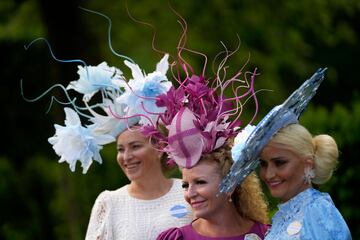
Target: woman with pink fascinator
[[197, 130], [242, 214]]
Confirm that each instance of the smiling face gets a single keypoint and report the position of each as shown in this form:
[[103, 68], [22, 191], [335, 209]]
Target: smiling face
[[283, 171], [201, 185], [136, 156]]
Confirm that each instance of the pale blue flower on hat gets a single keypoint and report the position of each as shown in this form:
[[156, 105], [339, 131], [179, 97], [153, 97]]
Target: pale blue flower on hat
[[73, 142], [109, 123], [141, 91], [95, 78], [239, 141]]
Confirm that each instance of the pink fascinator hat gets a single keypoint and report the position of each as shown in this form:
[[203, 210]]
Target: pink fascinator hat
[[201, 113], [185, 141]]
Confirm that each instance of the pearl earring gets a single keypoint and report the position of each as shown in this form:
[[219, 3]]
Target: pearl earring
[[229, 198], [309, 174]]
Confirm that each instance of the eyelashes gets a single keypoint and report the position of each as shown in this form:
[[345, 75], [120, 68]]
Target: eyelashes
[[185, 185], [276, 162]]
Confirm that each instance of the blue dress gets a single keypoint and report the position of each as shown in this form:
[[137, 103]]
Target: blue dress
[[310, 215]]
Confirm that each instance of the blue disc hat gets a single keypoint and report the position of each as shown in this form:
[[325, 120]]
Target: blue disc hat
[[249, 143]]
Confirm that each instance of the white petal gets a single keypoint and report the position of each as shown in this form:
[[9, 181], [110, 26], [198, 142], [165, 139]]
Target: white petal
[[219, 142], [104, 139], [135, 70], [72, 118], [163, 65]]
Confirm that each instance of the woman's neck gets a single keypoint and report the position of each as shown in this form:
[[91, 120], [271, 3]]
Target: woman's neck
[[151, 188], [228, 223]]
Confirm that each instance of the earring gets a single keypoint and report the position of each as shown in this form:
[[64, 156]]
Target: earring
[[229, 198], [309, 174]]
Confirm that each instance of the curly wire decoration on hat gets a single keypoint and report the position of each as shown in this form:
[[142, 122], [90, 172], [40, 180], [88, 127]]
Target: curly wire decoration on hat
[[189, 120], [248, 151], [123, 103], [199, 117]]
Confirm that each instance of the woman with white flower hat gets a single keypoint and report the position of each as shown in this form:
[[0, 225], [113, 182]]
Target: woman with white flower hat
[[148, 205], [151, 202]]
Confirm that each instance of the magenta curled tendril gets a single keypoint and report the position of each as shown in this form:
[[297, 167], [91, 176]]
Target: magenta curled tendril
[[215, 116]]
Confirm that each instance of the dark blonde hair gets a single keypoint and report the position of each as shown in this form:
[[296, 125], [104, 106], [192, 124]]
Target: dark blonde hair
[[321, 148], [248, 198]]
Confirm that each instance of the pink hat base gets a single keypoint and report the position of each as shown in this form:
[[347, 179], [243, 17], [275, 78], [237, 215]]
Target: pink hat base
[[185, 140]]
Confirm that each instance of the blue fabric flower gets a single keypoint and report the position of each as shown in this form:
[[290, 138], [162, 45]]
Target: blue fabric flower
[[95, 78], [111, 123], [141, 91], [239, 141], [121, 106], [73, 142]]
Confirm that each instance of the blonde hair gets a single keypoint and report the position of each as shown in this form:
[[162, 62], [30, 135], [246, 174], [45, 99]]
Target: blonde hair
[[321, 148], [248, 198]]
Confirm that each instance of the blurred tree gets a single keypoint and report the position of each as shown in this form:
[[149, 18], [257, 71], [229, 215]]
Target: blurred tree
[[286, 40]]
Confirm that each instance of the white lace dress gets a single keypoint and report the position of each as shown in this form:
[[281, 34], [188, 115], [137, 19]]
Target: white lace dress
[[116, 215]]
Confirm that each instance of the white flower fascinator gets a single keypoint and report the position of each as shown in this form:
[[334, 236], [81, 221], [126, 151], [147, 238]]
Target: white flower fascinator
[[121, 104]]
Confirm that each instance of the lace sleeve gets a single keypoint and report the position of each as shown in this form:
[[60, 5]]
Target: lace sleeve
[[324, 221], [98, 228]]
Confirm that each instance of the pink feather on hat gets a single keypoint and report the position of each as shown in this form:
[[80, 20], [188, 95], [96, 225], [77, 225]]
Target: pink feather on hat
[[199, 116]]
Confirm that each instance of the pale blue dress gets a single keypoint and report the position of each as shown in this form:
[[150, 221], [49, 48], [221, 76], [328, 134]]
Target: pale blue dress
[[310, 215]]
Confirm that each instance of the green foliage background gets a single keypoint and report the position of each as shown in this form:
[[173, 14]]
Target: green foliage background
[[286, 39]]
